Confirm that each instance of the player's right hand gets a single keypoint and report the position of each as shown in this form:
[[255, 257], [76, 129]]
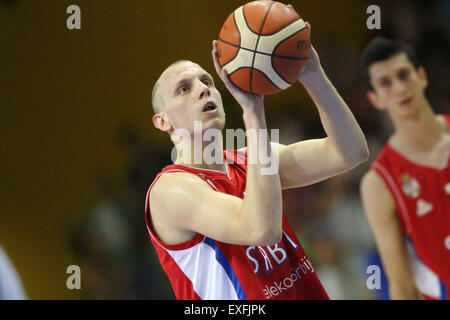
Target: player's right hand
[[247, 100]]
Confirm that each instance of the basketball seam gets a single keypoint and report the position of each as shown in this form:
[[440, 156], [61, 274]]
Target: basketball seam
[[240, 68], [237, 28], [292, 22], [275, 49], [265, 53], [256, 47], [268, 78], [246, 22]]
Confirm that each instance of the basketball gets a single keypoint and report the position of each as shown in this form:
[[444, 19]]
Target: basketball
[[263, 46]]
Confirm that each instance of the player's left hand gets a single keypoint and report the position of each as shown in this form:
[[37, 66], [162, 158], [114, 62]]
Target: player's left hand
[[245, 99], [313, 68]]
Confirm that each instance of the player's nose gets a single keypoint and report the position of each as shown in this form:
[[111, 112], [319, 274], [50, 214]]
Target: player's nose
[[204, 91], [399, 86]]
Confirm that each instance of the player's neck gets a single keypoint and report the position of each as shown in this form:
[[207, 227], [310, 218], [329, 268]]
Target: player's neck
[[418, 133], [206, 155]]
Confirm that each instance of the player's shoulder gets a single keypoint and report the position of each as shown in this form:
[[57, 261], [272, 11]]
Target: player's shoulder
[[174, 189], [175, 196], [172, 200], [370, 177], [375, 194], [372, 182], [173, 182]]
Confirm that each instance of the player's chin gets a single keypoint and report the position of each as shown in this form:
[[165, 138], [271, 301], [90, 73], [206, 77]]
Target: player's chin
[[214, 122], [408, 111]]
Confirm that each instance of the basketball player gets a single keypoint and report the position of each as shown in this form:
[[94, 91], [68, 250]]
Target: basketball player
[[219, 229], [406, 193]]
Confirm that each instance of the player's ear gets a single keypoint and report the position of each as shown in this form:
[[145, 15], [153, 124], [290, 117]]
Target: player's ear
[[423, 76], [161, 122], [374, 100]]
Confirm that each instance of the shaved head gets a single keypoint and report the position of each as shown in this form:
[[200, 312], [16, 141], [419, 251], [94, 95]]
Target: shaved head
[[157, 98], [181, 93]]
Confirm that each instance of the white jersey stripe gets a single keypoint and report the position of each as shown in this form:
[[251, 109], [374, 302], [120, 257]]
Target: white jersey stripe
[[209, 278], [426, 280], [228, 268]]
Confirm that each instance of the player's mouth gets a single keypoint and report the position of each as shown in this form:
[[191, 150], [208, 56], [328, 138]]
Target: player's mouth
[[406, 101], [210, 108]]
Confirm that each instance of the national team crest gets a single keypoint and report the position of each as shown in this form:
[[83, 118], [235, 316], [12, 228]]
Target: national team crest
[[410, 186]]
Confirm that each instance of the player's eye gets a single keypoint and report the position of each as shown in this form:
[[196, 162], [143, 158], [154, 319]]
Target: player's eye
[[403, 75], [207, 82], [182, 90], [385, 83]]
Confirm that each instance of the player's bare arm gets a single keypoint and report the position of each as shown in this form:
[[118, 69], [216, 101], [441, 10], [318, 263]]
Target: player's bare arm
[[200, 209], [345, 146], [380, 209]]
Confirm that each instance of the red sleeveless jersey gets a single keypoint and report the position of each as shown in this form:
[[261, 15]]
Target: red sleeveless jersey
[[422, 198], [203, 268]]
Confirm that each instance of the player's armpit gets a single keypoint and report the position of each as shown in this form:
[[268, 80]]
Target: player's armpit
[[183, 203], [379, 207]]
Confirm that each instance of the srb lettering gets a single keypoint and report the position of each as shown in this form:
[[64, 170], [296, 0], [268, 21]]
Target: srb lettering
[[277, 253]]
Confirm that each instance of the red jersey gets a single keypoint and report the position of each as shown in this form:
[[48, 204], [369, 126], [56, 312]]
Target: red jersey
[[422, 198], [204, 268]]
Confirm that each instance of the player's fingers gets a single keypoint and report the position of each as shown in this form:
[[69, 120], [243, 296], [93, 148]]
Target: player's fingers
[[309, 28], [226, 79], [215, 58], [221, 72]]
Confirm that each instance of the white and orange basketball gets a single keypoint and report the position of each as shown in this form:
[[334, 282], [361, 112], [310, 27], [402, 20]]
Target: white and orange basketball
[[264, 45]]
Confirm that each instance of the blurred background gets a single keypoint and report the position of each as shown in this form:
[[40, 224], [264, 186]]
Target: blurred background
[[79, 149]]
